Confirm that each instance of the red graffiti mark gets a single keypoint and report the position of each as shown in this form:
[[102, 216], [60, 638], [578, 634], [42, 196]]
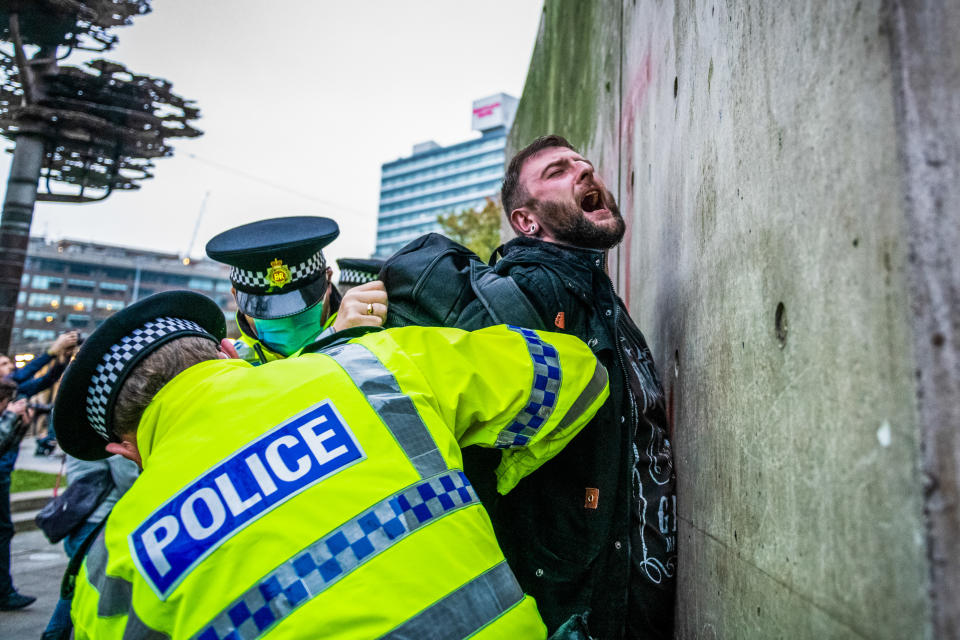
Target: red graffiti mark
[[636, 93]]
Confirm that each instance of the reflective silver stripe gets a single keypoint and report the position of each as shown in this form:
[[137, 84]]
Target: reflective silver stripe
[[543, 392], [137, 630], [392, 405], [593, 389], [116, 594], [338, 553], [466, 610]]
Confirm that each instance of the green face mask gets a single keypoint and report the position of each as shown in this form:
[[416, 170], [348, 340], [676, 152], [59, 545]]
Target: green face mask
[[289, 335]]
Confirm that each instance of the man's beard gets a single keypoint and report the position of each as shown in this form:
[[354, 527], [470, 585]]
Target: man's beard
[[568, 224]]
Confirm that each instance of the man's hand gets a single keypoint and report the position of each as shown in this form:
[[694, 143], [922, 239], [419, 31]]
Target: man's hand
[[63, 342], [19, 407], [363, 305]]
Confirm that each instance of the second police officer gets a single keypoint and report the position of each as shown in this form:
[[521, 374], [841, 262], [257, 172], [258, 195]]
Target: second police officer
[[284, 294]]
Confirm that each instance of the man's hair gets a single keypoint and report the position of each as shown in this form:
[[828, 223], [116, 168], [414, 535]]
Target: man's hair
[[512, 193], [150, 375], [8, 389]]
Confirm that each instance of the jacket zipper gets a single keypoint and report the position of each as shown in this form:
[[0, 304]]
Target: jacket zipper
[[633, 422]]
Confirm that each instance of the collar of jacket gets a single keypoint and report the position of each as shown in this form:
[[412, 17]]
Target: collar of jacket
[[338, 338], [245, 329], [588, 257], [576, 266], [203, 377]]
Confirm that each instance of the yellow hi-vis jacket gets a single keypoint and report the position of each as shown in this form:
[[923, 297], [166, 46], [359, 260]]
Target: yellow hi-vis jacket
[[322, 496]]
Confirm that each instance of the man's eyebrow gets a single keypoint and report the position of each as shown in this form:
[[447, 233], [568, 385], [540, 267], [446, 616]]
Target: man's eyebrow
[[563, 161]]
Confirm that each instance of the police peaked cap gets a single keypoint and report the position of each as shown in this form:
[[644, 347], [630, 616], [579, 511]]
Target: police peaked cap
[[277, 265], [354, 271], [83, 411]]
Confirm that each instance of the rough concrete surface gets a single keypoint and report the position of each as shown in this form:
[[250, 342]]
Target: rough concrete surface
[[926, 52], [777, 186]]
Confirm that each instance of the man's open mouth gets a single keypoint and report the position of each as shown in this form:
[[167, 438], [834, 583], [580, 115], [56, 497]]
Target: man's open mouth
[[591, 201]]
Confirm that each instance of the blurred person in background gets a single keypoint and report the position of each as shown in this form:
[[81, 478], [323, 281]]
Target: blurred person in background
[[26, 377], [13, 415], [123, 472], [30, 382]]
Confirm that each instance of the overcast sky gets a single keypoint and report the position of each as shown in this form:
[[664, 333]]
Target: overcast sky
[[309, 95]]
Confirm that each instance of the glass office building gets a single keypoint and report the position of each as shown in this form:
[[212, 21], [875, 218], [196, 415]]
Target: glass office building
[[437, 180]]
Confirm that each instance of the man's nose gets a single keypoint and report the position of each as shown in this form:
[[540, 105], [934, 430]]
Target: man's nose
[[584, 171]]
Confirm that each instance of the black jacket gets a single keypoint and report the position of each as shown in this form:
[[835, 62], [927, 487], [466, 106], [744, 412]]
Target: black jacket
[[573, 532]]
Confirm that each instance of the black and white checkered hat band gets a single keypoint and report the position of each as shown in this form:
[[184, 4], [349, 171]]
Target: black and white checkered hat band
[[259, 280], [109, 372], [353, 276]]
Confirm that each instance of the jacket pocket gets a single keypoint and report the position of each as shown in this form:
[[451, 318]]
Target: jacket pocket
[[561, 588]]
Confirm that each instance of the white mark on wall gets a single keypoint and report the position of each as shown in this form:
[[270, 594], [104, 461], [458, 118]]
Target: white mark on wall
[[883, 434]]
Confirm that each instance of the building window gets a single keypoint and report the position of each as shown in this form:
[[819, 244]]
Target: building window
[[203, 284], [22, 297], [81, 269], [78, 320], [118, 274], [41, 316], [18, 315], [165, 278], [75, 284], [223, 285], [44, 300], [77, 303], [113, 286], [110, 305], [39, 335], [47, 282], [54, 266]]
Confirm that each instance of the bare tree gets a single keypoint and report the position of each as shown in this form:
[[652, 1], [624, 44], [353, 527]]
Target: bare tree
[[80, 131]]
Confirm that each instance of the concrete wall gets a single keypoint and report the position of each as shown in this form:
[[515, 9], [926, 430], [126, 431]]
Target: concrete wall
[[790, 174]]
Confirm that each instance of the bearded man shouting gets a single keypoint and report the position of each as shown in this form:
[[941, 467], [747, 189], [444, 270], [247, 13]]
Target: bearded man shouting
[[594, 529]]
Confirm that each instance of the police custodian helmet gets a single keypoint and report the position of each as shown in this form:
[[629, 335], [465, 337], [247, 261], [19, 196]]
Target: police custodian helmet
[[357, 271], [277, 265], [83, 409]]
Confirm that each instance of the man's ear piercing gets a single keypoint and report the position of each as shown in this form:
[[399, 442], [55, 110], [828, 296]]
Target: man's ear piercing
[[533, 228]]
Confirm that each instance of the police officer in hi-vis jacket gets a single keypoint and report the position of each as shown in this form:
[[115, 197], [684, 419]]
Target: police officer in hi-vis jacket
[[317, 496]]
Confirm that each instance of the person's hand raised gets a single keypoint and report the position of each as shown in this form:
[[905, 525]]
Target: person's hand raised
[[363, 305], [63, 342]]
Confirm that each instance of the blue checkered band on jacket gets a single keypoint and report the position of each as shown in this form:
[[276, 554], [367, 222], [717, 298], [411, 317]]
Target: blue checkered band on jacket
[[104, 381], [543, 395], [258, 279], [335, 555]]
